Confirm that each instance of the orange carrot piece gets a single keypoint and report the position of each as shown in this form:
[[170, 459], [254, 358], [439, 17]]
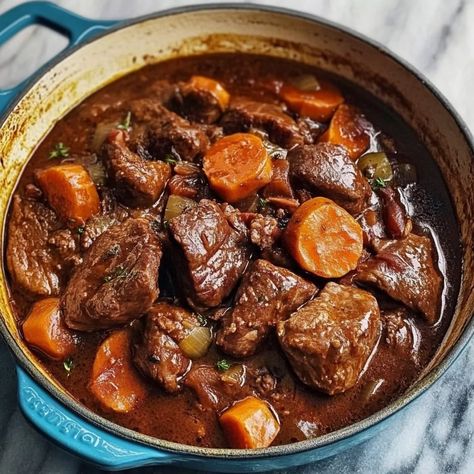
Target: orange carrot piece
[[45, 330], [318, 105], [249, 424], [115, 381], [350, 129], [237, 166], [212, 86], [70, 191], [324, 238]]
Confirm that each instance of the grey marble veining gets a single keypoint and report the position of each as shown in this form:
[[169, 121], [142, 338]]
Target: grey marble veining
[[436, 434]]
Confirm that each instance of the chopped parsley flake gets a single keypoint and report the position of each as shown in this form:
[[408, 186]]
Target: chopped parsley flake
[[170, 159], [68, 364], [378, 183], [60, 150], [223, 365], [125, 124]]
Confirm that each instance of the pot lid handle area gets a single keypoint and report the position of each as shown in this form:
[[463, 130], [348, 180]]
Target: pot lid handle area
[[75, 27], [79, 437]]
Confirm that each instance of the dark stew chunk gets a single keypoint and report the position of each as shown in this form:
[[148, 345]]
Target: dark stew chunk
[[157, 353], [210, 253], [38, 251], [330, 339], [267, 295], [117, 281], [244, 114], [139, 182], [405, 270], [328, 170]]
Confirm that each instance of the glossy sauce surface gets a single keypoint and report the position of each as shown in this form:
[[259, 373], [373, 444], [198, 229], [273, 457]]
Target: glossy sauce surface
[[303, 413]]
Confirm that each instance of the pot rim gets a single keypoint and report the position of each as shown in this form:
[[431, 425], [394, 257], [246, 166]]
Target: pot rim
[[307, 445]]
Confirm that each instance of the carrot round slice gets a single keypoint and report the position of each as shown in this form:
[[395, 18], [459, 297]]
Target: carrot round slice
[[45, 330], [115, 381], [213, 87], [350, 129], [237, 166], [324, 238], [70, 191], [249, 424], [318, 105]]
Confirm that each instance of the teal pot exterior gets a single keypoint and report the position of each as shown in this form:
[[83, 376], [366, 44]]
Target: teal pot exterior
[[45, 404]]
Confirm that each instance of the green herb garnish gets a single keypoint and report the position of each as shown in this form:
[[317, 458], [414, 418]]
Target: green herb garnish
[[170, 159], [378, 183], [119, 273], [261, 204], [125, 123], [202, 319], [60, 150], [223, 365], [80, 230], [68, 364]]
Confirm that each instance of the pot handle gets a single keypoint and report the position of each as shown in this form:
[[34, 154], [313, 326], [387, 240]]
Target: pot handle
[[80, 437], [75, 27]]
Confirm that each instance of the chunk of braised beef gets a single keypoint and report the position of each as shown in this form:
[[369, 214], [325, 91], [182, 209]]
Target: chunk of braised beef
[[244, 114], [156, 351], [210, 252], [189, 181], [396, 219], [329, 340], [118, 279], [196, 104], [328, 170], [139, 182], [39, 252], [405, 270], [264, 231], [267, 295]]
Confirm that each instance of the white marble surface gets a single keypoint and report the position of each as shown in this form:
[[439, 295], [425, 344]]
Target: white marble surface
[[436, 434]]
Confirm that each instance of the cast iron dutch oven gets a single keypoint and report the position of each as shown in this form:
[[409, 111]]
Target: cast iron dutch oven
[[100, 52]]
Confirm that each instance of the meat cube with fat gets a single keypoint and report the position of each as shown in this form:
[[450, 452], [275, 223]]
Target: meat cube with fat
[[328, 171], [139, 182], [118, 279], [39, 252], [244, 114], [210, 254], [405, 270], [156, 352], [267, 295], [330, 340]]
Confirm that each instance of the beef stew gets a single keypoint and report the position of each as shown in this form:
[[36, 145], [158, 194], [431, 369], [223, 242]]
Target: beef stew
[[244, 259]]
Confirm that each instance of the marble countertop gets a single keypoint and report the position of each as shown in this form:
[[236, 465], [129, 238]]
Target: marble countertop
[[436, 434]]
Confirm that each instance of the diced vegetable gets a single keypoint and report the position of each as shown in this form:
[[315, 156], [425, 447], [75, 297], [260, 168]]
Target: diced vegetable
[[45, 329], [249, 424], [237, 166], [375, 165], [102, 131], [324, 238], [306, 82], [196, 344], [234, 375], [70, 191], [350, 129], [176, 205], [115, 382], [317, 104], [212, 86]]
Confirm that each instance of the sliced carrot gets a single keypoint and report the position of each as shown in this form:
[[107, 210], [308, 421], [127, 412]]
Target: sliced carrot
[[350, 129], [249, 424], [45, 330], [318, 105], [212, 86], [237, 166], [70, 191], [115, 381], [324, 238]]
